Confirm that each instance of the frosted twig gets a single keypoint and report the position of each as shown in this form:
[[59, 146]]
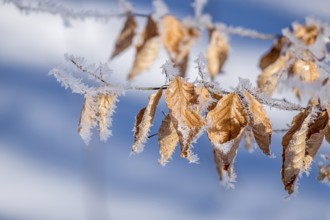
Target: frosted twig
[[65, 12], [244, 32], [68, 13]]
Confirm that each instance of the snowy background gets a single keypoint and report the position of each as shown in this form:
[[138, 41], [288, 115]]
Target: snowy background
[[45, 170]]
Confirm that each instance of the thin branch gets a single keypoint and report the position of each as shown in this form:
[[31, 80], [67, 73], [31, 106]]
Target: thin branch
[[150, 136], [68, 13], [244, 32]]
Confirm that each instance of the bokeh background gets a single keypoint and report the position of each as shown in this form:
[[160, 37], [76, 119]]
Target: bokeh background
[[47, 172]]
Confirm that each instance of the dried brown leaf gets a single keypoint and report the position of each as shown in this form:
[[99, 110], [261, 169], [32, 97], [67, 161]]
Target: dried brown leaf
[[105, 107], [267, 80], [316, 133], [226, 125], [178, 40], [217, 52], [306, 33], [260, 123], [226, 120], [144, 121], [147, 49], [294, 147], [181, 100], [271, 56], [125, 37], [167, 139], [307, 71], [86, 121], [172, 34], [182, 65]]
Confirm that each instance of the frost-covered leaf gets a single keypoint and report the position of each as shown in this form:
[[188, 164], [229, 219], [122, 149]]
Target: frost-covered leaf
[[178, 40], [226, 121], [87, 119], [260, 123], [125, 37], [227, 177], [181, 99], [307, 71], [294, 148], [167, 139], [172, 34], [306, 33], [225, 126], [271, 56], [267, 80], [144, 121], [316, 133], [147, 49], [217, 52], [106, 103]]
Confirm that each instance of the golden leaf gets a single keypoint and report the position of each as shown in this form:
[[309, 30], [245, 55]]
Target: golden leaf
[[271, 56], [172, 34], [167, 139], [181, 99], [178, 40], [227, 120], [125, 37], [186, 44], [306, 33], [316, 132], [144, 121], [147, 49], [226, 125], [217, 52], [86, 121], [294, 147], [260, 123], [105, 106], [267, 80], [307, 71]]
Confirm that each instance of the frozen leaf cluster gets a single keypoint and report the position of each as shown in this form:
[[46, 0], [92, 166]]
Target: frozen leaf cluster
[[300, 53]]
